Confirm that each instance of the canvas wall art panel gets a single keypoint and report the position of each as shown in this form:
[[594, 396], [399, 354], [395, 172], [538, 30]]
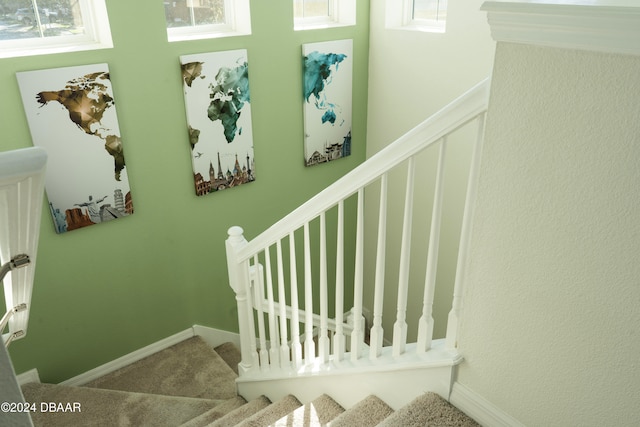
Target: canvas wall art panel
[[71, 114], [218, 106], [327, 80]]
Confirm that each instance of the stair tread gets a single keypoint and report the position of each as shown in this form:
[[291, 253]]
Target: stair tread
[[230, 354], [241, 413], [316, 413], [428, 410], [216, 413], [102, 407], [190, 368], [369, 412], [272, 413]]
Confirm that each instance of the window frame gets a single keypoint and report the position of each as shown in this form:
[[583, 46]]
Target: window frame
[[341, 13], [97, 35], [399, 15], [237, 16]]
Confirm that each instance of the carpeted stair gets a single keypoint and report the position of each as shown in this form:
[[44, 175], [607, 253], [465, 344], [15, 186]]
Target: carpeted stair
[[193, 385]]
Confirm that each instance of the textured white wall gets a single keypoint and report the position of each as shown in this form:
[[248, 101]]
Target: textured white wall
[[551, 327], [411, 76]]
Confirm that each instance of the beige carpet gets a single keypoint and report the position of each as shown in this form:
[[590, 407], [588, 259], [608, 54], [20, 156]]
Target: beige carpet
[[106, 408], [211, 416], [190, 368], [192, 385], [428, 410], [368, 412], [317, 413], [242, 413], [271, 413], [230, 354]]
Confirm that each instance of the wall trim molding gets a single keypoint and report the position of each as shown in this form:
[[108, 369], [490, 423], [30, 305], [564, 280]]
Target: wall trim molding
[[30, 376], [480, 409], [606, 25], [211, 336]]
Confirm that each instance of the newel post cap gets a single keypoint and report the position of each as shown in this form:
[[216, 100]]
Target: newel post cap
[[235, 232]]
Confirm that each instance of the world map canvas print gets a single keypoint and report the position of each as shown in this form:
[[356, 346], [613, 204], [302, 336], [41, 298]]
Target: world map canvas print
[[327, 80], [218, 106], [71, 114]]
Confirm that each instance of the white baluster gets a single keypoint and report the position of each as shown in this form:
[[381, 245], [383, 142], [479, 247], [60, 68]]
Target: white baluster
[[400, 326], [239, 282], [323, 339], [285, 353], [425, 324], [338, 337], [309, 344], [377, 332], [274, 356], [357, 335], [465, 235], [296, 347], [262, 336]]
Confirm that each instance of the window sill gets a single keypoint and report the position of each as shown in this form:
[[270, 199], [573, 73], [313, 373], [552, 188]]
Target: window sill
[[206, 32], [21, 51], [320, 26], [424, 27], [205, 36]]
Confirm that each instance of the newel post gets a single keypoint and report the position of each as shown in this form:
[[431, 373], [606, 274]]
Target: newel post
[[239, 282]]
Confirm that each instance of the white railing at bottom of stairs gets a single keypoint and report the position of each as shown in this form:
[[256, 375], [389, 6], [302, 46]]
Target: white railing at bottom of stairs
[[21, 195], [330, 347]]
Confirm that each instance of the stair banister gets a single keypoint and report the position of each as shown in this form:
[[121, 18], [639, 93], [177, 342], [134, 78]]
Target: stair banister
[[357, 336], [323, 340], [456, 114], [274, 355], [296, 346], [425, 324], [400, 326], [284, 345], [339, 342], [298, 353], [377, 333], [22, 176], [309, 345], [453, 320]]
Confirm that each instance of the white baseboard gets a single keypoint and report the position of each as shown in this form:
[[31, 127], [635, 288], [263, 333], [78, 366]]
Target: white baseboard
[[480, 409], [211, 336], [28, 377]]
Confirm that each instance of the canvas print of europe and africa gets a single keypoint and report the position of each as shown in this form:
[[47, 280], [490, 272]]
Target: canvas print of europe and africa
[[328, 69], [218, 105], [71, 114]]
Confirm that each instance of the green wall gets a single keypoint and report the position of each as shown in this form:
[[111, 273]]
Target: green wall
[[104, 291]]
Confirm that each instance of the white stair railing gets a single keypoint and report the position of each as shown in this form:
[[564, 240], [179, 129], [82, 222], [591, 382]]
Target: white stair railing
[[266, 296], [21, 195]]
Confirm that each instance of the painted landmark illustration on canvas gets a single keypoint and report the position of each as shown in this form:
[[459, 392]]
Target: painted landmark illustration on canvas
[[218, 106], [328, 69], [71, 114]]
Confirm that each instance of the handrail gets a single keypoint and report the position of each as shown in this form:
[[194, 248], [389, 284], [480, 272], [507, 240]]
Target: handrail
[[456, 114]]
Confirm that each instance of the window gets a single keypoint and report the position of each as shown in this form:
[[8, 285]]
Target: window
[[202, 19], [429, 12], [312, 14], [316, 10], [35, 27], [421, 15]]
